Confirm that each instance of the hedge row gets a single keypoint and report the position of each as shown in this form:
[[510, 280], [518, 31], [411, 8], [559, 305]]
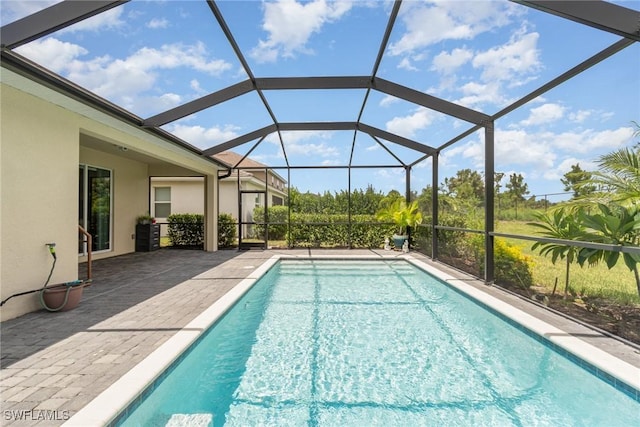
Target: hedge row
[[186, 230], [326, 230], [227, 230]]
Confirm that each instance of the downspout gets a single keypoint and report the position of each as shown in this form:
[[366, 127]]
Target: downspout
[[227, 174]]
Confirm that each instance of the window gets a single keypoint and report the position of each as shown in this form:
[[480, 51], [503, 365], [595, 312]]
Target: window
[[162, 202], [94, 207]]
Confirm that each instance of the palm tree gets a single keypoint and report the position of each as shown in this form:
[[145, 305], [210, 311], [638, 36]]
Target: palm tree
[[618, 177], [559, 224]]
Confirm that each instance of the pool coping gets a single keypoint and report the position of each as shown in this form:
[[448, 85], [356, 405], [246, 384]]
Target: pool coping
[[107, 406]]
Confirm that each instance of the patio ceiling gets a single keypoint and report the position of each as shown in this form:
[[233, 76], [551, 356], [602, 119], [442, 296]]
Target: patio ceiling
[[266, 93]]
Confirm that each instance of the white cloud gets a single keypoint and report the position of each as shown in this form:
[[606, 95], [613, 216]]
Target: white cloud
[[433, 22], [544, 114], [296, 143], [592, 115], [109, 19], [56, 55], [195, 85], [475, 94], [204, 137], [405, 64], [589, 140], [539, 154], [388, 100], [580, 116], [409, 125], [448, 62], [290, 24], [512, 147], [170, 99], [517, 147], [157, 23], [121, 80], [512, 62]]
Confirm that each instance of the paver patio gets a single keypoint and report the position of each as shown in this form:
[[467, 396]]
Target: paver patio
[[53, 364]]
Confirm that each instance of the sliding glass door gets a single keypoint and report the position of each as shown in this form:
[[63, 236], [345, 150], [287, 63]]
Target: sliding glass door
[[94, 207]]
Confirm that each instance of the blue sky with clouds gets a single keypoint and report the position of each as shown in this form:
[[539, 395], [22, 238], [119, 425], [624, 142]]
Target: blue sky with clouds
[[149, 56]]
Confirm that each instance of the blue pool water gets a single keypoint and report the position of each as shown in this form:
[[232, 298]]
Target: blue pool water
[[375, 343]]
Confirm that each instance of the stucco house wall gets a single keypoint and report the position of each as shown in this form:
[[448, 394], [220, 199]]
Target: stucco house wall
[[39, 145], [187, 194]]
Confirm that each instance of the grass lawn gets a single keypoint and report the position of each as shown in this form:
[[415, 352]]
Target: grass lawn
[[617, 284]]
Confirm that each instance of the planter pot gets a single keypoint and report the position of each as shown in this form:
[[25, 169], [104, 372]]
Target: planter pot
[[398, 240], [53, 298]]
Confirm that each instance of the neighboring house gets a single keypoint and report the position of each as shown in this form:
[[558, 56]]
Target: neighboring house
[[175, 195], [257, 184], [67, 160]]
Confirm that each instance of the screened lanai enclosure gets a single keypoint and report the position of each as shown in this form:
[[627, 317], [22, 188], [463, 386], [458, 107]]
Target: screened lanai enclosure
[[352, 101]]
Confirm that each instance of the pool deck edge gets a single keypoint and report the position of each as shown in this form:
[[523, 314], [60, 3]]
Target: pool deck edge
[[103, 409]]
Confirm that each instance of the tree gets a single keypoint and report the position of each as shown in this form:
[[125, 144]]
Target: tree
[[577, 180], [559, 224], [425, 200], [365, 202], [516, 187], [619, 176], [497, 178], [304, 202], [466, 184]]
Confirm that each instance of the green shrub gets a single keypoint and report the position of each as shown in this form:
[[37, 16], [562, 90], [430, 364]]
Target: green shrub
[[452, 243], [332, 230], [511, 267], [275, 214], [227, 230], [186, 230]]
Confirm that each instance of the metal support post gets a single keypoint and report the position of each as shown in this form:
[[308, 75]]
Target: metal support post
[[489, 172]]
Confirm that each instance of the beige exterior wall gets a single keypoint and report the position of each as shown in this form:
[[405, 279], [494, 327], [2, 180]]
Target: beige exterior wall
[[44, 136], [39, 145], [187, 194], [228, 200]]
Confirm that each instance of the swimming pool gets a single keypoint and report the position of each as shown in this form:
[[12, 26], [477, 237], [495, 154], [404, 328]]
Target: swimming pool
[[381, 343]]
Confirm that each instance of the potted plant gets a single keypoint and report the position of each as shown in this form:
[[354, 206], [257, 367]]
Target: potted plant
[[145, 219], [403, 215], [147, 233]]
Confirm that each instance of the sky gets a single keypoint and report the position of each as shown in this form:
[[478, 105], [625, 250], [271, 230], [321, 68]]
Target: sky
[[149, 56]]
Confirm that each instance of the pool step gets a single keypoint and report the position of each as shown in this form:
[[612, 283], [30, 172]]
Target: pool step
[[190, 420]]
